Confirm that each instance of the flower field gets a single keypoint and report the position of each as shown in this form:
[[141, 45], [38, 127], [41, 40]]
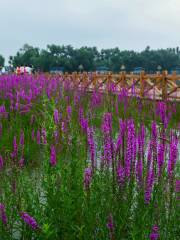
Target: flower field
[[77, 164]]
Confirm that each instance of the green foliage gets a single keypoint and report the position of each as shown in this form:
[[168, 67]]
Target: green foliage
[[2, 60], [90, 58], [55, 196]]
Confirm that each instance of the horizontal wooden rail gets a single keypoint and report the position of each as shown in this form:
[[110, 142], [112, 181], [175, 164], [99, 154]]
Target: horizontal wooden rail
[[161, 85]]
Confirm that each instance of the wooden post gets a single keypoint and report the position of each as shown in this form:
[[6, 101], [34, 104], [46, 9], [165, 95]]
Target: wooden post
[[109, 80], [94, 78], [142, 83], [123, 79], [164, 85]]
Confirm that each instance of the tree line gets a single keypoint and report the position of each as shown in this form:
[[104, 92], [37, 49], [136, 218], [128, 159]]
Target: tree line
[[90, 58]]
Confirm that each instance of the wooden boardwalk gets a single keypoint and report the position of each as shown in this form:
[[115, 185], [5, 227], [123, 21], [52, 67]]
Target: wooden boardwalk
[[153, 86]]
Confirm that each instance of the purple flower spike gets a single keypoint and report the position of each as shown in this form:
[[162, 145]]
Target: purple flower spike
[[154, 234], [56, 116], [3, 214], [1, 162], [87, 178], [53, 160], [29, 220]]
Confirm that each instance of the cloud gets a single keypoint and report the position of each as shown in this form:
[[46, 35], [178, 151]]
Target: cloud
[[130, 24]]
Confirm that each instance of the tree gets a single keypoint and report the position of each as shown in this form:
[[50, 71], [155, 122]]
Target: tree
[[2, 60], [27, 55], [90, 58]]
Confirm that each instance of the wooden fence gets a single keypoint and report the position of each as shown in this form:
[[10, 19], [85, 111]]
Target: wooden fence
[[159, 86]]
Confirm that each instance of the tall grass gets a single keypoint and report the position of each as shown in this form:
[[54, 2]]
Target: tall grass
[[76, 164]]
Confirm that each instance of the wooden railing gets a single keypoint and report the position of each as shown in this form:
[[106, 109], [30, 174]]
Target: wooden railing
[[160, 86]]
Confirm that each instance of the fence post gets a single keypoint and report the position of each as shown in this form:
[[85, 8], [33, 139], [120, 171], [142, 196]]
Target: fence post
[[142, 83], [164, 85], [123, 77]]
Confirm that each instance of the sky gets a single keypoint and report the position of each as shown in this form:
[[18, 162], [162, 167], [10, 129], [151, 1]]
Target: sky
[[127, 24]]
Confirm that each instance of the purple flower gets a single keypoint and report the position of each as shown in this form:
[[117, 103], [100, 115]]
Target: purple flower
[[110, 226], [15, 147], [108, 143], [154, 135], [177, 187], [173, 155], [91, 145], [38, 137], [120, 175], [162, 112], [139, 162], [160, 159], [149, 185], [21, 162], [95, 99], [53, 160], [87, 178], [83, 121], [63, 127], [69, 112], [56, 116], [33, 135], [3, 214], [154, 234], [1, 162], [131, 148], [22, 138], [29, 220], [107, 123]]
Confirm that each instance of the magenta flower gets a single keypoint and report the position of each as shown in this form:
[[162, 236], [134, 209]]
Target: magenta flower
[[69, 112], [33, 135], [154, 234], [173, 155], [63, 127], [38, 137], [110, 226], [21, 162], [3, 214], [56, 116], [22, 138], [120, 175], [160, 159], [108, 143], [131, 148], [53, 160], [29, 220], [1, 162], [177, 187], [91, 145], [149, 186], [15, 147], [87, 178]]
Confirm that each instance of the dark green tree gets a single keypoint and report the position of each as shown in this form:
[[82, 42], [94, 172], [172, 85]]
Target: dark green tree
[[2, 60]]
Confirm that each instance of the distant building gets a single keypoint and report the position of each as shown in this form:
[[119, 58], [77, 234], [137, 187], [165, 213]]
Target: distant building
[[176, 69], [138, 70], [102, 69], [56, 70]]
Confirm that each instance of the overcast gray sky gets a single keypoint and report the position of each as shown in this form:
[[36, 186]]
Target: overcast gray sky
[[128, 24]]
